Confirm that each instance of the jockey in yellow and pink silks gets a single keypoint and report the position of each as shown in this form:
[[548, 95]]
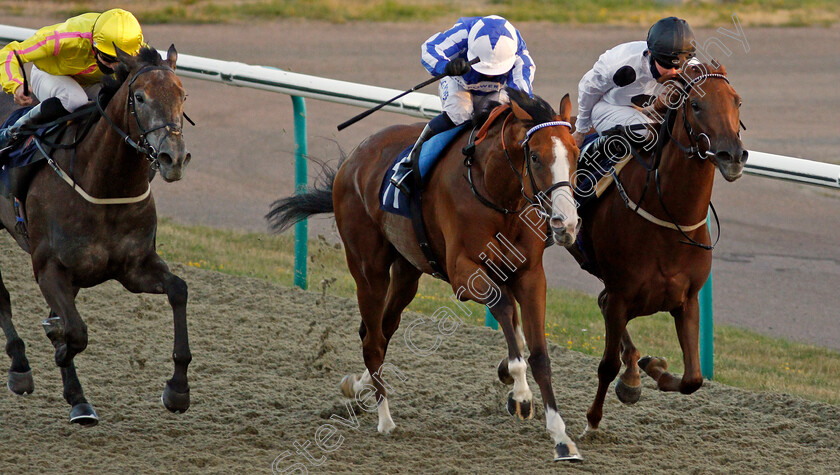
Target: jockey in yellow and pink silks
[[68, 61]]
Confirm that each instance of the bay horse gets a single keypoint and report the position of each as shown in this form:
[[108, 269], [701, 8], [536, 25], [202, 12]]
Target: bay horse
[[469, 207], [656, 256], [90, 217]]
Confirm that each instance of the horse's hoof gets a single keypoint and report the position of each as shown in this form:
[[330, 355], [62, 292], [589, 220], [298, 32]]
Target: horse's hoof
[[347, 383], [174, 401], [656, 360], [524, 409], [84, 415], [627, 394], [21, 383], [504, 373], [566, 453]]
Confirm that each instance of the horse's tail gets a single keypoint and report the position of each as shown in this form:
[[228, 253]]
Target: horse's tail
[[318, 199]]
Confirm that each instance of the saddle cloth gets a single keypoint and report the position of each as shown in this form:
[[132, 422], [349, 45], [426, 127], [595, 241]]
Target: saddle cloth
[[391, 199]]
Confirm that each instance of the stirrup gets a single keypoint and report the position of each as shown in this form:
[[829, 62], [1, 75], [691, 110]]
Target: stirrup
[[398, 178]]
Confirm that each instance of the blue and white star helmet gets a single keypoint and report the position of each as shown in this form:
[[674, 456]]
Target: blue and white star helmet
[[494, 41]]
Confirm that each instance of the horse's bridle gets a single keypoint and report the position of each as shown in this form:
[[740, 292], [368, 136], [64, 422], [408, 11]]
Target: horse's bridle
[[143, 146], [694, 139], [693, 150], [538, 195]]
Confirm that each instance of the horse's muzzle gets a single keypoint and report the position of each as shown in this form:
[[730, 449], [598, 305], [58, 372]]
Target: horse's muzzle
[[731, 163], [172, 168], [564, 230]]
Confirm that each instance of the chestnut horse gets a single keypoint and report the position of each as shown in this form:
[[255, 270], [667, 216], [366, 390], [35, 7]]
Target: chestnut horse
[[90, 218], [468, 210], [657, 258]]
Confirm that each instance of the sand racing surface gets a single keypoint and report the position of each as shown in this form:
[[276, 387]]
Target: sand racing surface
[[267, 361]]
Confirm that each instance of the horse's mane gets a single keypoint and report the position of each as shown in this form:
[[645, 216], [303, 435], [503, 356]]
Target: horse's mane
[[539, 109], [147, 56]]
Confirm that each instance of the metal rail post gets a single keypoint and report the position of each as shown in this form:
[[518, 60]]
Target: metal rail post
[[707, 325], [301, 228]]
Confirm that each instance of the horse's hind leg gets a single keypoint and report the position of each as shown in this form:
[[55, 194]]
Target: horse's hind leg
[[687, 321], [20, 374], [401, 291], [151, 275], [628, 388], [502, 369]]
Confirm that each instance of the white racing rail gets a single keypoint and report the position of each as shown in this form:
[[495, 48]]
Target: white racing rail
[[418, 105]]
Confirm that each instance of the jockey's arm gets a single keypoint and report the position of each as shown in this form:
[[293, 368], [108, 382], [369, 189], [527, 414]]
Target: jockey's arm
[[29, 50]]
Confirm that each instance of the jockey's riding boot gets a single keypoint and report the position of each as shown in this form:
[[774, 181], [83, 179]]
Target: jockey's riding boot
[[404, 170], [33, 116], [46, 111]]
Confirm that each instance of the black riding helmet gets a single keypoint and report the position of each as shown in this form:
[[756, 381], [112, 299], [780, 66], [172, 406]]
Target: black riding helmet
[[669, 41]]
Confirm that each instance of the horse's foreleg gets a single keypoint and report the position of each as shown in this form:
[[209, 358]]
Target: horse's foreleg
[[60, 295], [687, 322], [615, 322], [82, 412], [529, 291], [20, 374], [152, 276]]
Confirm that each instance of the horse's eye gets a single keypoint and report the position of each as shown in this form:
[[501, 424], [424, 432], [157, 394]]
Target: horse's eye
[[695, 106], [138, 96], [535, 157], [739, 104]]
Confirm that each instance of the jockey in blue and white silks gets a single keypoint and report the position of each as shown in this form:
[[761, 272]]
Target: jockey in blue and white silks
[[503, 61]]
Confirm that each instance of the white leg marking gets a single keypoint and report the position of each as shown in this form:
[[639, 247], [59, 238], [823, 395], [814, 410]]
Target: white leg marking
[[520, 339], [362, 382], [521, 392], [386, 424]]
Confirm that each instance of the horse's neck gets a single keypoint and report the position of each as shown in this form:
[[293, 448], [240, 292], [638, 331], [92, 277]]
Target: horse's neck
[[105, 165], [685, 182], [500, 181]]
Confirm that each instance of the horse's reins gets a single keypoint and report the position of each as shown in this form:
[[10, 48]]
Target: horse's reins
[[690, 152], [535, 199]]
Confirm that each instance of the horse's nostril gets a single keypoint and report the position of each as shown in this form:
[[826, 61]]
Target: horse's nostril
[[164, 158], [744, 156]]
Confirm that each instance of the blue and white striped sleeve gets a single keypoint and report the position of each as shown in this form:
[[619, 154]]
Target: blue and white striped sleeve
[[440, 48], [522, 74]]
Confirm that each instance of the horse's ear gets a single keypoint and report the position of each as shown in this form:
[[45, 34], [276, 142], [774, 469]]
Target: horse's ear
[[565, 108], [122, 56], [171, 56], [519, 112]]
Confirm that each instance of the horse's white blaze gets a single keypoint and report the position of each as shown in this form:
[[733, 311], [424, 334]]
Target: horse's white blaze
[[520, 339], [386, 424], [562, 204], [361, 382], [521, 392]]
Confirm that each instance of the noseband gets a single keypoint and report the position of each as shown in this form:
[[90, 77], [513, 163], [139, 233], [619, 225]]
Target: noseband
[[535, 199], [143, 146]]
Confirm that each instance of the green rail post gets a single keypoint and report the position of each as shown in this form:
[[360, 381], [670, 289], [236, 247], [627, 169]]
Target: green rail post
[[490, 320], [301, 228], [707, 326]]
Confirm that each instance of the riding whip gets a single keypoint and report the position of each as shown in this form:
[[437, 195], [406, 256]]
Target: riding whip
[[23, 73], [368, 112]]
